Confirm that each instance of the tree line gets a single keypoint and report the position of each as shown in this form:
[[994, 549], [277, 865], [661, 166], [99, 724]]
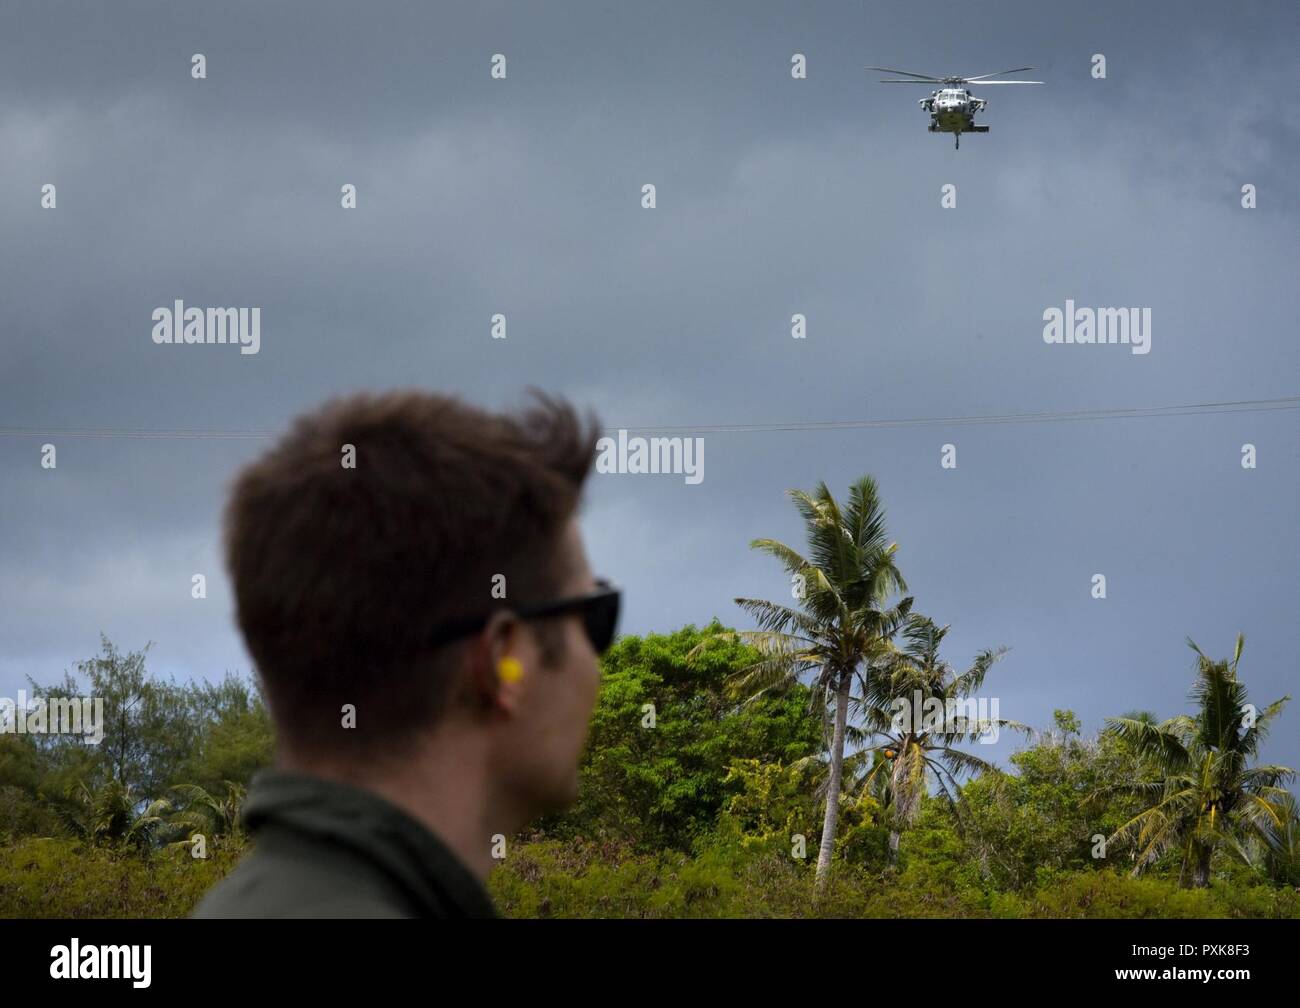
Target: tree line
[[730, 772]]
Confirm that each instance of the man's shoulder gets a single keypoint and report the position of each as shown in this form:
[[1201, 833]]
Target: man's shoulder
[[287, 877], [328, 849]]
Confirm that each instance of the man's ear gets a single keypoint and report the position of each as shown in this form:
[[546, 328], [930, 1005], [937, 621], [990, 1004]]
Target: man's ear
[[497, 669]]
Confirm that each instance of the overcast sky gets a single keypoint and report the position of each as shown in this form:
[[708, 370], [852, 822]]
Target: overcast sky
[[775, 196]]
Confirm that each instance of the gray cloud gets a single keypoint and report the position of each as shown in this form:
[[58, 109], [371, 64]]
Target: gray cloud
[[775, 197]]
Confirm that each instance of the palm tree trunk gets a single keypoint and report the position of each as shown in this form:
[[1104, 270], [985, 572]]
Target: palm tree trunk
[[893, 846], [833, 786], [1201, 867]]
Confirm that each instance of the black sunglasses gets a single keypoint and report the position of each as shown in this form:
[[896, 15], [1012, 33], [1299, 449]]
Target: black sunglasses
[[598, 608]]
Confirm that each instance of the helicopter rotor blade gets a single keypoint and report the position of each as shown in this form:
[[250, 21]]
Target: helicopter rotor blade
[[892, 80], [982, 76], [930, 78], [983, 82]]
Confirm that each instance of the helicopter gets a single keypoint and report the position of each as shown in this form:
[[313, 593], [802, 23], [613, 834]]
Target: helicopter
[[952, 108]]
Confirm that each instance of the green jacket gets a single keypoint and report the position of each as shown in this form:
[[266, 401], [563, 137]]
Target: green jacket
[[328, 850]]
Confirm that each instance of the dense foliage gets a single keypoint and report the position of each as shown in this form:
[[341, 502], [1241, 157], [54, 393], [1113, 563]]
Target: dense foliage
[[695, 801]]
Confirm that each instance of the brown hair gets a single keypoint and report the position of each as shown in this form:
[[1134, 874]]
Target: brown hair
[[341, 573]]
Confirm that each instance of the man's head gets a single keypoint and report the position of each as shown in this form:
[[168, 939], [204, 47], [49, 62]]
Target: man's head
[[378, 522]]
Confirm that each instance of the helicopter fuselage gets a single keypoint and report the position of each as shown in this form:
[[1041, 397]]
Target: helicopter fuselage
[[952, 110]]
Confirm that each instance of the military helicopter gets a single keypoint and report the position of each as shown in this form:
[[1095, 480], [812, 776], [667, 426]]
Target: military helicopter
[[952, 108]]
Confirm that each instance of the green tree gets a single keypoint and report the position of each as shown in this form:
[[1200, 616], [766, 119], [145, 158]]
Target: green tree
[[919, 749], [213, 815], [235, 737], [842, 624], [158, 736], [114, 815], [1028, 827], [775, 802], [150, 726], [1207, 796], [664, 733], [778, 802], [1282, 845]]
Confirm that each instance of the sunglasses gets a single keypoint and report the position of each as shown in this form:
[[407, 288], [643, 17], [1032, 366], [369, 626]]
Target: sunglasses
[[598, 609]]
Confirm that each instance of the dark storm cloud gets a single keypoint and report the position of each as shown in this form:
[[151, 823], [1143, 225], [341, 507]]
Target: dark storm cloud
[[775, 197]]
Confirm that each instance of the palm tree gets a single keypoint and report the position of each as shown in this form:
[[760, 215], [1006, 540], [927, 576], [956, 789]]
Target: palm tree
[[913, 753], [1281, 846], [210, 814], [1206, 796], [115, 816], [841, 625]]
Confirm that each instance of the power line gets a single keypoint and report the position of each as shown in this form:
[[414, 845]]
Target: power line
[[1241, 406], [1052, 416]]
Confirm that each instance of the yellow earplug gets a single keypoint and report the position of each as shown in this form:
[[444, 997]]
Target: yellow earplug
[[510, 669]]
